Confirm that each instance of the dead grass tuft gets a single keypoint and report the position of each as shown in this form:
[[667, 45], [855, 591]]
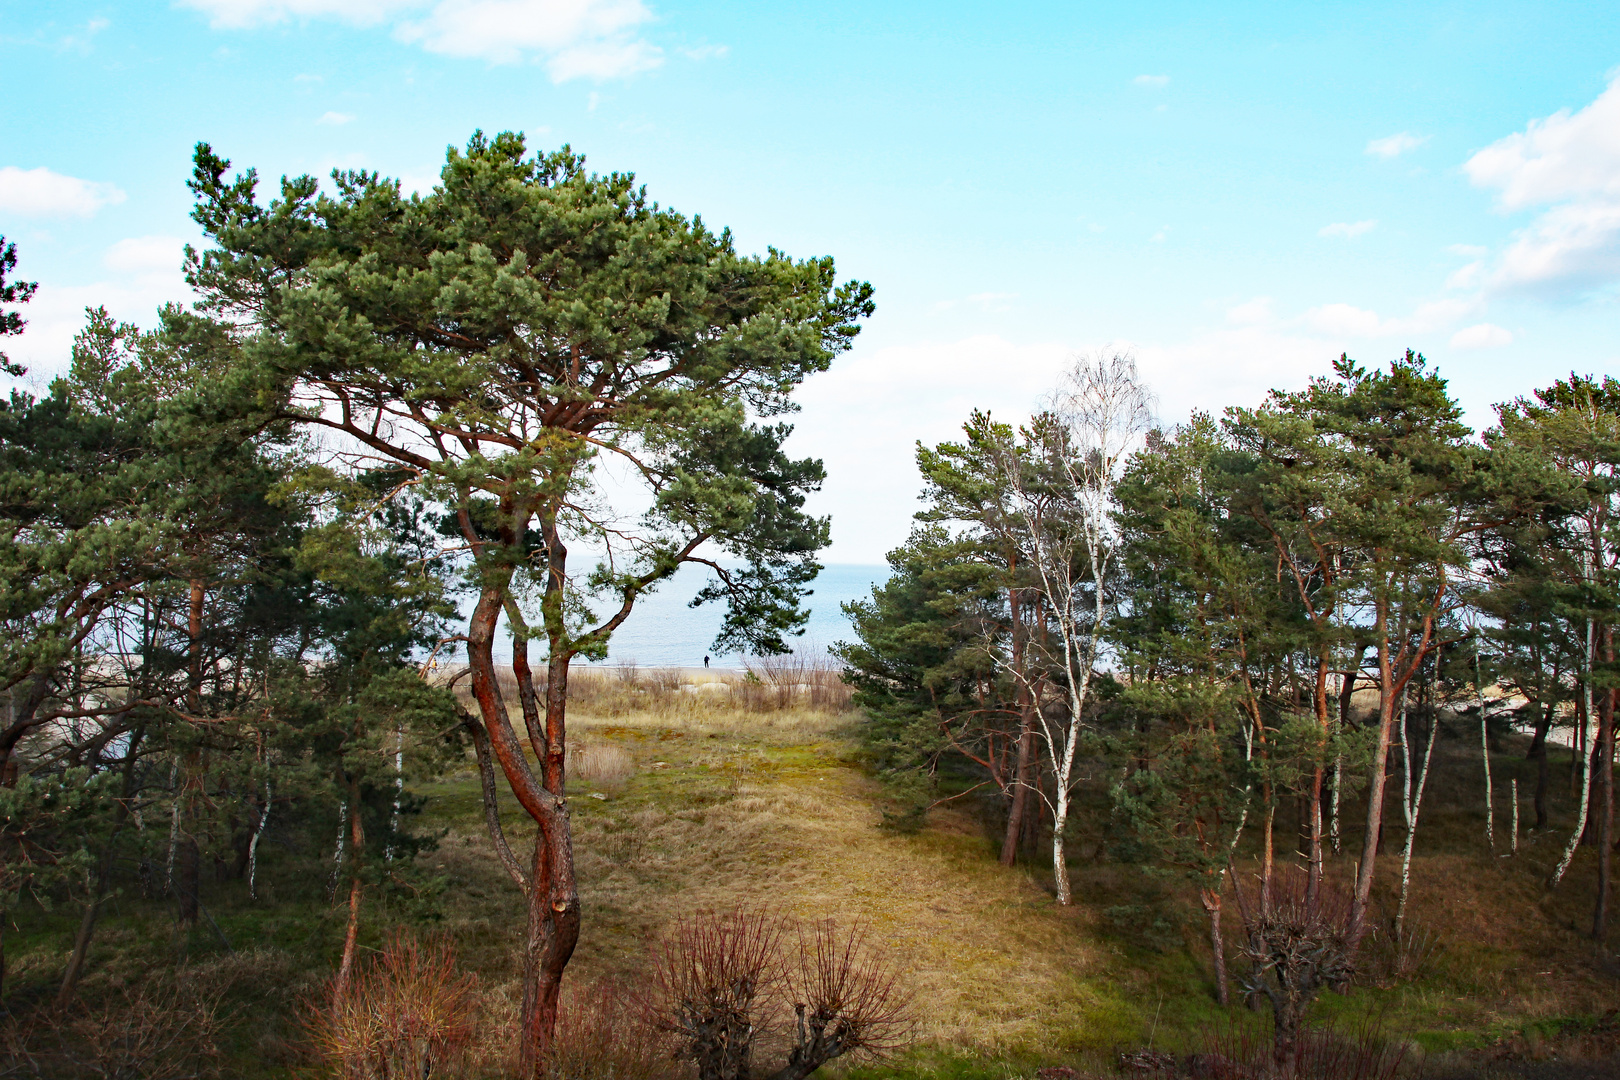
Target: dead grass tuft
[[408, 1013]]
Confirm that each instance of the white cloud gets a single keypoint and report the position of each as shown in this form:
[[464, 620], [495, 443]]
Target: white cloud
[[575, 38], [1395, 145], [1344, 320], [1467, 276], [1152, 80], [43, 193], [335, 119], [146, 255], [1481, 336], [1347, 229], [1256, 312], [850, 422], [604, 60], [1348, 321], [1161, 236], [707, 52], [584, 37], [1567, 168], [243, 14]]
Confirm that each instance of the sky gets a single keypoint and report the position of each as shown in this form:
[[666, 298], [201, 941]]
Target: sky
[[1235, 193]]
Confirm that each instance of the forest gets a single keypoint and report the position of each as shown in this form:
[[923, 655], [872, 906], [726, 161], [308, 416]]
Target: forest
[[1278, 743]]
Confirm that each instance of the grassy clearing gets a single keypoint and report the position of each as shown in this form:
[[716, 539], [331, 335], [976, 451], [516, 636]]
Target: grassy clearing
[[688, 799]]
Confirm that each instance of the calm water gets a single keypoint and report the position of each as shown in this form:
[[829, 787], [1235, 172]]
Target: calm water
[[663, 632]]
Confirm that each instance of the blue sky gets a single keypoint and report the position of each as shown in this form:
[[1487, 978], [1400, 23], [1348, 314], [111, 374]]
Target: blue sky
[[1237, 193]]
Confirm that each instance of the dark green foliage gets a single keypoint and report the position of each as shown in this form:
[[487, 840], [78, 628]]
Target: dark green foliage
[[12, 293]]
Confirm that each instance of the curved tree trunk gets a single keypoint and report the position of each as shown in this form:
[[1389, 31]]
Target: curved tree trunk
[[553, 896]]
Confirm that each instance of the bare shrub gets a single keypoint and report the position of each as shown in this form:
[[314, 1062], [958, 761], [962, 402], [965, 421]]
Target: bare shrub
[[798, 679], [722, 981], [1242, 1052], [165, 1032], [709, 986], [1296, 945], [602, 1035], [407, 1013], [1391, 959], [845, 1000]]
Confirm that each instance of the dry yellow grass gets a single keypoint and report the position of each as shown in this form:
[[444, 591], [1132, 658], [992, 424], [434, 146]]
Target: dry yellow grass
[[730, 809]]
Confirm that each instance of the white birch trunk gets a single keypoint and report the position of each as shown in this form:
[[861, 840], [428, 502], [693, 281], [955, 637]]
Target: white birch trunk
[[253, 844], [1586, 766], [1412, 808], [337, 854], [1338, 782]]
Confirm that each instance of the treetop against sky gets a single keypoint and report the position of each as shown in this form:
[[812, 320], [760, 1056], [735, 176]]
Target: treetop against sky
[[1237, 195]]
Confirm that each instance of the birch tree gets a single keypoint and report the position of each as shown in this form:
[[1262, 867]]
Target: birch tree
[[1060, 482]]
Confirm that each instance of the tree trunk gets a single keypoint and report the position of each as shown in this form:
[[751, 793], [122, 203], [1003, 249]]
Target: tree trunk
[[553, 900], [357, 844], [1371, 840], [1538, 747], [1485, 757], [1313, 809], [81, 945], [253, 844], [1212, 906], [1060, 866], [1267, 848], [1605, 810], [187, 865], [1585, 738], [1413, 807], [1019, 809], [103, 877], [1026, 734]]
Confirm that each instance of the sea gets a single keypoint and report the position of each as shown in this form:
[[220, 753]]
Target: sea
[[664, 632]]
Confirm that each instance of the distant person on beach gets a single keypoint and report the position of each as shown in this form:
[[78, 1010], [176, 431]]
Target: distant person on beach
[[705, 661]]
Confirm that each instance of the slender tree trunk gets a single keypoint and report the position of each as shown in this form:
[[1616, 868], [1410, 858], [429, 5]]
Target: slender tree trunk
[[1026, 731], [1605, 812], [1060, 865], [1515, 784], [253, 844], [357, 843], [174, 824], [1319, 702], [81, 944], [1021, 784], [189, 866], [1375, 796], [1485, 757], [1586, 765], [1212, 906], [338, 851], [102, 880], [1267, 850], [1538, 748], [1412, 807]]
